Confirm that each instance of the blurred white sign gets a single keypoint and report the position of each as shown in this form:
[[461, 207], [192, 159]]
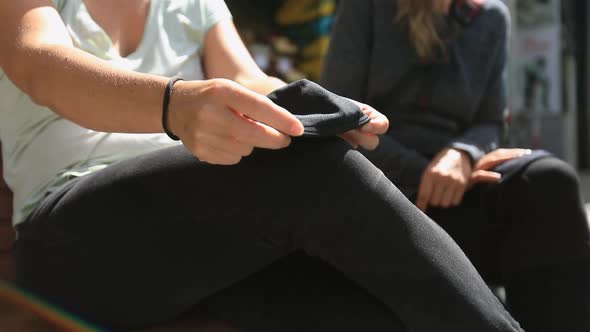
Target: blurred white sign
[[536, 57]]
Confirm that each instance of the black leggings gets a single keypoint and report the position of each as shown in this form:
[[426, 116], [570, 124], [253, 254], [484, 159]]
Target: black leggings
[[143, 240], [531, 235]]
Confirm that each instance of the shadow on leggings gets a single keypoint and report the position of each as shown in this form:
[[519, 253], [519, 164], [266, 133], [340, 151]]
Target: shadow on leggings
[[298, 293]]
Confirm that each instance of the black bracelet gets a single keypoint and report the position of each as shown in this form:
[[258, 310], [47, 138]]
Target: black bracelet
[[167, 94]]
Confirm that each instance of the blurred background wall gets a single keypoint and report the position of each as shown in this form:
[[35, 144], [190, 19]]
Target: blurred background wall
[[288, 38]]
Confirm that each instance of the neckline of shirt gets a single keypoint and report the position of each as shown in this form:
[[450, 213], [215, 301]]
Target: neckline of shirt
[[147, 31]]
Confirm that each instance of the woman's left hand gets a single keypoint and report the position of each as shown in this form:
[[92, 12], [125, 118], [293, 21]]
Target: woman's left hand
[[481, 172], [445, 180], [366, 136]]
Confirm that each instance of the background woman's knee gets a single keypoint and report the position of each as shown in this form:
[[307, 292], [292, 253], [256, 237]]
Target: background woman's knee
[[551, 174]]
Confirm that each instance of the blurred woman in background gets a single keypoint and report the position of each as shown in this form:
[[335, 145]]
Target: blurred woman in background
[[437, 70]]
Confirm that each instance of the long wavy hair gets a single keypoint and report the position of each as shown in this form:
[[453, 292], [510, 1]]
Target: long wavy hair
[[423, 25]]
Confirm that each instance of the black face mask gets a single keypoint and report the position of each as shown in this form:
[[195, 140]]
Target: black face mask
[[321, 112]]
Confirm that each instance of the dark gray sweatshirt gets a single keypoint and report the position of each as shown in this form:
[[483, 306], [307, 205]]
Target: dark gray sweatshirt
[[458, 102]]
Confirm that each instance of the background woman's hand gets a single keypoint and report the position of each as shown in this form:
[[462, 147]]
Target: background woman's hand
[[445, 180], [481, 172], [221, 122], [366, 136]]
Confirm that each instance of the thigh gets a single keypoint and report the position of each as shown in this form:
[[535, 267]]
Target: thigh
[[145, 239], [222, 223], [536, 218], [547, 220]]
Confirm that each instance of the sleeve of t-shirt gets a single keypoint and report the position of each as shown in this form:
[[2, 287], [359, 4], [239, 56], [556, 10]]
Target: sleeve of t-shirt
[[59, 4], [212, 12], [198, 16]]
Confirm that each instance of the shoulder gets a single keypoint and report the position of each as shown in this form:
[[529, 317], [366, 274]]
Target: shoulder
[[185, 5], [192, 5], [496, 15], [59, 4], [492, 25], [199, 14]]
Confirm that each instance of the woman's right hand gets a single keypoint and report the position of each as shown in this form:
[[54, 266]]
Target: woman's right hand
[[445, 180], [220, 121]]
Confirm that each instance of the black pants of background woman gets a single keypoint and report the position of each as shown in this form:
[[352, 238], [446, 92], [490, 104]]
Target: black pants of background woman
[[146, 239], [530, 235]]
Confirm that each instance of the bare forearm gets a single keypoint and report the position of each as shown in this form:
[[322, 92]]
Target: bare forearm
[[89, 91], [261, 84]]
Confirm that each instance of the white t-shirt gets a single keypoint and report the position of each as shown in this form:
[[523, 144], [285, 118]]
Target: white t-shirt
[[41, 150]]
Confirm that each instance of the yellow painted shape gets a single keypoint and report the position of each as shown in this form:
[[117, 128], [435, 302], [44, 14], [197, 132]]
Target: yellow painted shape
[[302, 11]]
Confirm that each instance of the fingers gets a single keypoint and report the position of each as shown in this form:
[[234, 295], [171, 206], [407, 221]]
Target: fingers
[[434, 195], [215, 156], [214, 124], [357, 138], [217, 150], [227, 121], [458, 196], [491, 161], [261, 109], [379, 122], [230, 145], [257, 134], [221, 127], [227, 137], [482, 176], [440, 190], [447, 193], [369, 141], [350, 139], [366, 136], [377, 126], [499, 156], [450, 195], [424, 192]]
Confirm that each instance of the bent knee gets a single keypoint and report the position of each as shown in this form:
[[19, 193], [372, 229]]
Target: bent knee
[[552, 173], [329, 161]]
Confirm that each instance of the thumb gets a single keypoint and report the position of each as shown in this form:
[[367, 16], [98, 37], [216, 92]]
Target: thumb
[[482, 176]]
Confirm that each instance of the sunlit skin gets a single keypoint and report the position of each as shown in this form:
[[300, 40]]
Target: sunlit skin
[[220, 120], [113, 16]]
